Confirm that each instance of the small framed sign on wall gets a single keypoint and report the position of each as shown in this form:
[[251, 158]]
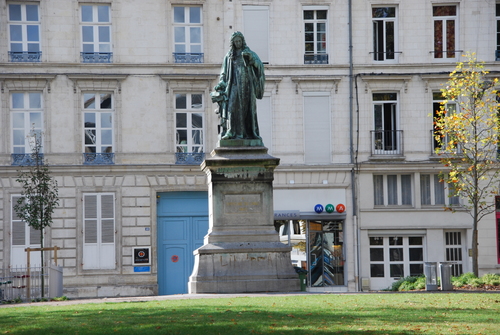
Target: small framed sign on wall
[[141, 256]]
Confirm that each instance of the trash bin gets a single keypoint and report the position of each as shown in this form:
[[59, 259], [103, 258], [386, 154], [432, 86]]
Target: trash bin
[[55, 281], [430, 270], [445, 274], [302, 277], [303, 281]]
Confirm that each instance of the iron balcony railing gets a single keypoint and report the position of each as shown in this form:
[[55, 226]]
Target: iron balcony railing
[[97, 57], [25, 56], [26, 159], [435, 144], [92, 158], [316, 59], [189, 158], [185, 57], [387, 142]]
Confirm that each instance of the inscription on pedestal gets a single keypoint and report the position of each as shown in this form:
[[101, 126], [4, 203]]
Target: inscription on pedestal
[[241, 172], [242, 203]]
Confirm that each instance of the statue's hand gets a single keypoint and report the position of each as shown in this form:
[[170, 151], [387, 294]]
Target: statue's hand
[[248, 57], [221, 86]]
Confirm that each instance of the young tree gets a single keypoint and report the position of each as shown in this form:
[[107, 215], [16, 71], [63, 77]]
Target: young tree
[[467, 138], [39, 197]]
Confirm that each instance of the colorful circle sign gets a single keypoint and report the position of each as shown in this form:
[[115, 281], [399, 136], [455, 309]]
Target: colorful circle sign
[[318, 208], [340, 208], [175, 258], [329, 208], [141, 254]]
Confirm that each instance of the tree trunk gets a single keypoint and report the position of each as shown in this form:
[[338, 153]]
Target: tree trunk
[[42, 269]]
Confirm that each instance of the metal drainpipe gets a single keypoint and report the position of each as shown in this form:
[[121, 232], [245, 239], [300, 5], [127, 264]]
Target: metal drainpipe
[[351, 151]]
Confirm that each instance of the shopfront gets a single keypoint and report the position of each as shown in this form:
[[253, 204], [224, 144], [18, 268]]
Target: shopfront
[[315, 228]]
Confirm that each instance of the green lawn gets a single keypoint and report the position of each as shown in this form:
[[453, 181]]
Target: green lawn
[[403, 313]]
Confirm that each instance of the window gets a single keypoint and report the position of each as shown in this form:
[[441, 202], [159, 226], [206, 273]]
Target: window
[[98, 113], [392, 190], [99, 231], [384, 33], [256, 30], [26, 114], [454, 251], [317, 128], [433, 191], [22, 237], [451, 107], [188, 35], [386, 138], [445, 28], [96, 33], [315, 27], [396, 256], [497, 14], [189, 135], [24, 33]]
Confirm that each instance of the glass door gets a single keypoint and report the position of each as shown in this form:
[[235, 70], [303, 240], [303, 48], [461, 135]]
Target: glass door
[[325, 253]]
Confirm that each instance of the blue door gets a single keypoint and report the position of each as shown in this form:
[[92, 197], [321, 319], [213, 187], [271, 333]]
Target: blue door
[[182, 225]]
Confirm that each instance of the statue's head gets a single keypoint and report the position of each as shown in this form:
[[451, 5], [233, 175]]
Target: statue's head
[[235, 35]]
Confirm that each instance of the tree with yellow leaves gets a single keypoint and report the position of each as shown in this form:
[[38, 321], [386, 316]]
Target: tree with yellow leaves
[[467, 138]]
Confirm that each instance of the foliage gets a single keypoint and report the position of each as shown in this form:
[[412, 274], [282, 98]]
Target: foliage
[[63, 298], [460, 313], [418, 283], [39, 197], [467, 138], [408, 284], [491, 279], [463, 279], [471, 279]]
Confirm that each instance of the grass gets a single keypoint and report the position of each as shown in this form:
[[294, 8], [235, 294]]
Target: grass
[[407, 313]]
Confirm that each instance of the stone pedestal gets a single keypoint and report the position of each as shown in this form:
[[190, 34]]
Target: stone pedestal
[[242, 252]]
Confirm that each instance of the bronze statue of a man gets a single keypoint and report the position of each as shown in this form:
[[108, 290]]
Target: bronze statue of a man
[[241, 82]]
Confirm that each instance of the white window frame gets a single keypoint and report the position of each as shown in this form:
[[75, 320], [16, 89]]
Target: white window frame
[[98, 112], [24, 23], [444, 34], [384, 21], [98, 254], [390, 199], [455, 248], [315, 21], [29, 126], [406, 262], [18, 257], [97, 45], [432, 186], [451, 108], [190, 146], [396, 145], [187, 25]]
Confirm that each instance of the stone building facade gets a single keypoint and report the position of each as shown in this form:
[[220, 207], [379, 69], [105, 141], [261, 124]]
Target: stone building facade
[[120, 91]]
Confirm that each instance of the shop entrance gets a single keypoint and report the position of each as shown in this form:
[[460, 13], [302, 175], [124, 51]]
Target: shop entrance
[[325, 253]]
